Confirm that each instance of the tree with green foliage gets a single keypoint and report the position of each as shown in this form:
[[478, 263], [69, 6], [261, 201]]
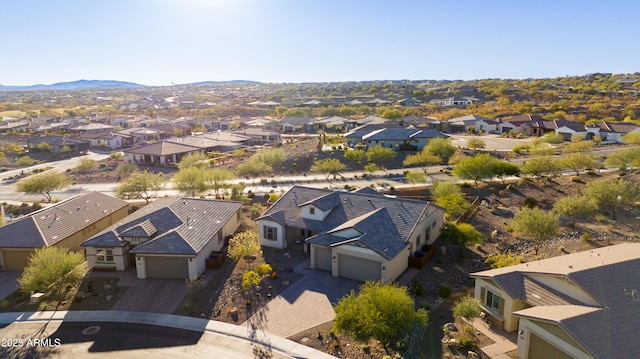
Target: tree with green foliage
[[544, 168], [575, 206], [460, 234], [25, 161], [577, 161], [50, 269], [476, 168], [243, 245], [536, 225], [415, 177], [381, 311], [125, 169], [578, 146], [196, 159], [43, 184], [379, 155], [611, 194], [391, 114], [632, 138], [355, 155], [624, 158], [190, 181], [328, 167], [86, 165], [43, 147], [542, 149], [449, 196], [218, 178], [272, 158], [441, 147], [502, 169], [144, 185], [476, 144], [506, 259], [422, 159], [467, 307]]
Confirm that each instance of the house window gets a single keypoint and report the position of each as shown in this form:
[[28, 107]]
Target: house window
[[493, 301], [104, 255], [418, 240], [312, 210], [220, 237], [270, 233]]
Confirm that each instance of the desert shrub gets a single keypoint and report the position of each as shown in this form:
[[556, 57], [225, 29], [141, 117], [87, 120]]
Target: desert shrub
[[366, 348], [415, 288], [478, 246], [576, 179], [263, 269], [601, 218], [511, 187], [466, 341], [561, 249], [444, 291], [250, 278], [586, 237], [530, 202]]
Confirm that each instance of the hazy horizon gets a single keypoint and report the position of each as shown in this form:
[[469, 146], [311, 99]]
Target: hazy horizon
[[160, 42]]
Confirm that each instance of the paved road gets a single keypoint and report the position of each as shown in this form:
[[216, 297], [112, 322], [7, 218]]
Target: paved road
[[138, 335]]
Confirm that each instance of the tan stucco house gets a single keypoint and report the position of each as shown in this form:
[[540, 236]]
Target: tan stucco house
[[580, 305], [64, 224], [168, 238], [362, 235]]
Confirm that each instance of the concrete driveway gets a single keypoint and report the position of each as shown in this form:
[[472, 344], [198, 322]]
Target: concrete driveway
[[149, 295], [305, 304], [8, 282]]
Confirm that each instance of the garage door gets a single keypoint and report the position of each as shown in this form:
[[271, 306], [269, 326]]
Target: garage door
[[323, 258], [358, 268], [540, 348], [15, 259], [167, 267]]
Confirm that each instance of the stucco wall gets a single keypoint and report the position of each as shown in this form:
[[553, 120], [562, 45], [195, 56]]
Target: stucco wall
[[279, 242], [73, 241], [120, 258]]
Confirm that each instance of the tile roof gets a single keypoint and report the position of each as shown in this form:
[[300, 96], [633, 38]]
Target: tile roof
[[142, 229], [391, 134], [297, 120], [50, 225], [163, 148], [184, 225], [386, 223], [610, 275]]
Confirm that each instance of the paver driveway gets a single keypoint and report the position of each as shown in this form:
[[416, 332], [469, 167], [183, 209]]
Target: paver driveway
[[305, 304], [149, 295]]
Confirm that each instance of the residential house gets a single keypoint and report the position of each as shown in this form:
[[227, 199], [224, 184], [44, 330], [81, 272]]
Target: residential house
[[400, 139], [105, 140], [259, 136], [90, 128], [611, 131], [377, 102], [409, 102], [528, 125], [63, 224], [162, 153], [334, 122], [168, 238], [568, 129], [580, 305], [259, 122], [296, 124], [358, 235], [486, 125], [462, 123], [354, 137], [60, 144], [368, 120], [455, 101]]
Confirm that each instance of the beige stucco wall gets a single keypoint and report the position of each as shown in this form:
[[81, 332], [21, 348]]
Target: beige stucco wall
[[120, 258], [510, 305], [564, 287], [73, 241], [527, 327], [279, 242]]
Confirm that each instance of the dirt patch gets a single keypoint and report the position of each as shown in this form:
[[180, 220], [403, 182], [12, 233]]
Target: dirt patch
[[91, 294]]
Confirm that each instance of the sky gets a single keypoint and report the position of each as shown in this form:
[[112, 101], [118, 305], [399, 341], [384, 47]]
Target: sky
[[160, 42]]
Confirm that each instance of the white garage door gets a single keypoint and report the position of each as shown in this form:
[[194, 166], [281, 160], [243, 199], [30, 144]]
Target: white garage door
[[359, 268], [167, 267], [323, 258]]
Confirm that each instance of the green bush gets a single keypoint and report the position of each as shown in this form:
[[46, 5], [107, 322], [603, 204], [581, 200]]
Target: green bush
[[466, 341], [576, 179], [600, 218], [511, 187], [444, 291], [366, 348], [586, 237], [530, 202], [415, 288], [264, 269]]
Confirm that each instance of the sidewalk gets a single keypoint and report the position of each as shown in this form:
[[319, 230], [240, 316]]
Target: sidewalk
[[504, 342]]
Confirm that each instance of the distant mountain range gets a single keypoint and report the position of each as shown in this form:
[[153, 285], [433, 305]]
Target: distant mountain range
[[109, 84], [76, 85]]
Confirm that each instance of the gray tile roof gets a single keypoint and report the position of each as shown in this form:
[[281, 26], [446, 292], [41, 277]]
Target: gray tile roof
[[142, 229], [385, 222], [51, 225], [163, 148], [184, 225], [391, 134], [610, 275]]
